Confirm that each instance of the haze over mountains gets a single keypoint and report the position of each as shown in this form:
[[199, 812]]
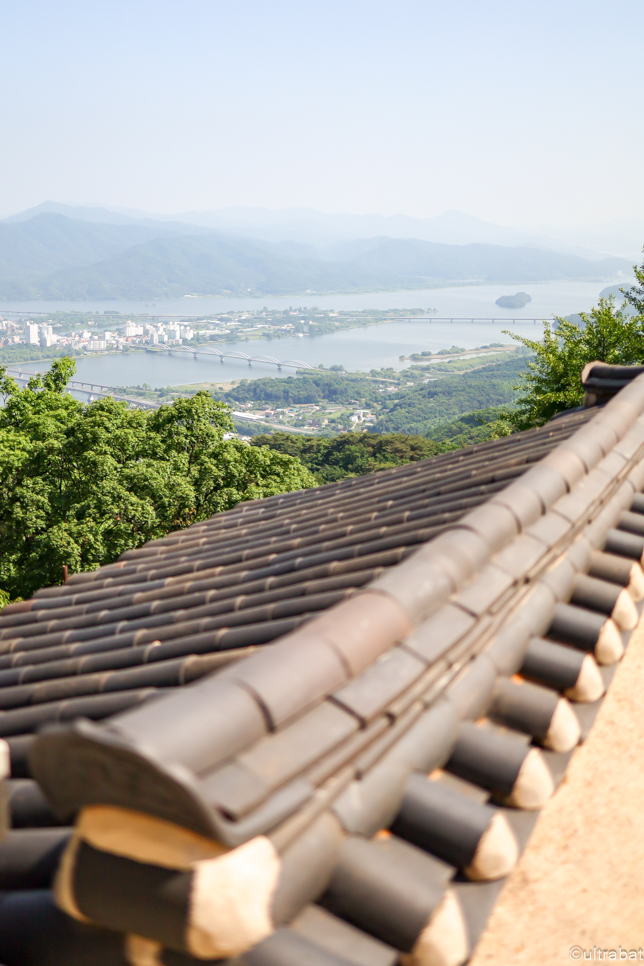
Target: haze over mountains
[[60, 251], [621, 237]]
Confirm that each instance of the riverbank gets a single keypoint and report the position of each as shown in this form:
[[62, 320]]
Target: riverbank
[[357, 350], [548, 298], [330, 402], [415, 399]]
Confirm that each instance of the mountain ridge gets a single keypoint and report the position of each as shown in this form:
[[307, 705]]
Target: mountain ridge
[[620, 237], [50, 256]]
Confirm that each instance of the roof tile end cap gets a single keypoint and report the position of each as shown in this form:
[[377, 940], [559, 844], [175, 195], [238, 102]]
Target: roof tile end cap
[[588, 368]]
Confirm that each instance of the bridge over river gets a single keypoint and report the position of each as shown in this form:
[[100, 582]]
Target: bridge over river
[[467, 318], [92, 389], [234, 354], [96, 390]]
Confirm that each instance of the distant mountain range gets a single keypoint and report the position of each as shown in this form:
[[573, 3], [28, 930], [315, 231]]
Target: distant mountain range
[[621, 237], [47, 254]]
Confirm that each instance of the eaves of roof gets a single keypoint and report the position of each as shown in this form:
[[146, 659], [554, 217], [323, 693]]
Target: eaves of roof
[[458, 618]]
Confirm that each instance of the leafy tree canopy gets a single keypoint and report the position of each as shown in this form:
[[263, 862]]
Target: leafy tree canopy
[[634, 295], [423, 408], [350, 454], [357, 453], [80, 484], [552, 380]]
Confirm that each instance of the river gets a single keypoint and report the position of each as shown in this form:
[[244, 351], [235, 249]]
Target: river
[[359, 349]]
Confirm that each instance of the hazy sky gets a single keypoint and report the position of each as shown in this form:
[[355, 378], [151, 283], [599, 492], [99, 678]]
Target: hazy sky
[[518, 111]]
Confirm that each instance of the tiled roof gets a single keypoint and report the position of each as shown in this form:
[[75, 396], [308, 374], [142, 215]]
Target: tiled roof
[[177, 608], [457, 618]]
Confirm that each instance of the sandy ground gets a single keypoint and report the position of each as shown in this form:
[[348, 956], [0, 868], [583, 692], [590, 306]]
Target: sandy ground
[[208, 386], [578, 890]]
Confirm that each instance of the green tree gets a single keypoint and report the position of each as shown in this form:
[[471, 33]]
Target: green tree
[[80, 484], [350, 454], [635, 295], [552, 381]]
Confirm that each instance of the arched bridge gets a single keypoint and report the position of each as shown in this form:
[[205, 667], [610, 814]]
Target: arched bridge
[[92, 389], [242, 356]]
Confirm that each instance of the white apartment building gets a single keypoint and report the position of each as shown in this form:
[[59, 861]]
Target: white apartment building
[[46, 336], [95, 345], [130, 330], [176, 332], [31, 333]]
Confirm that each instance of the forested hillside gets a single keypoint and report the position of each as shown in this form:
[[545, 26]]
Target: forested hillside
[[420, 409], [55, 257], [80, 484], [353, 454], [51, 242]]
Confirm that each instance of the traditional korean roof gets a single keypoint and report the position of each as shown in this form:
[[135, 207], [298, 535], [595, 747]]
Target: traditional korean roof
[[318, 728]]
